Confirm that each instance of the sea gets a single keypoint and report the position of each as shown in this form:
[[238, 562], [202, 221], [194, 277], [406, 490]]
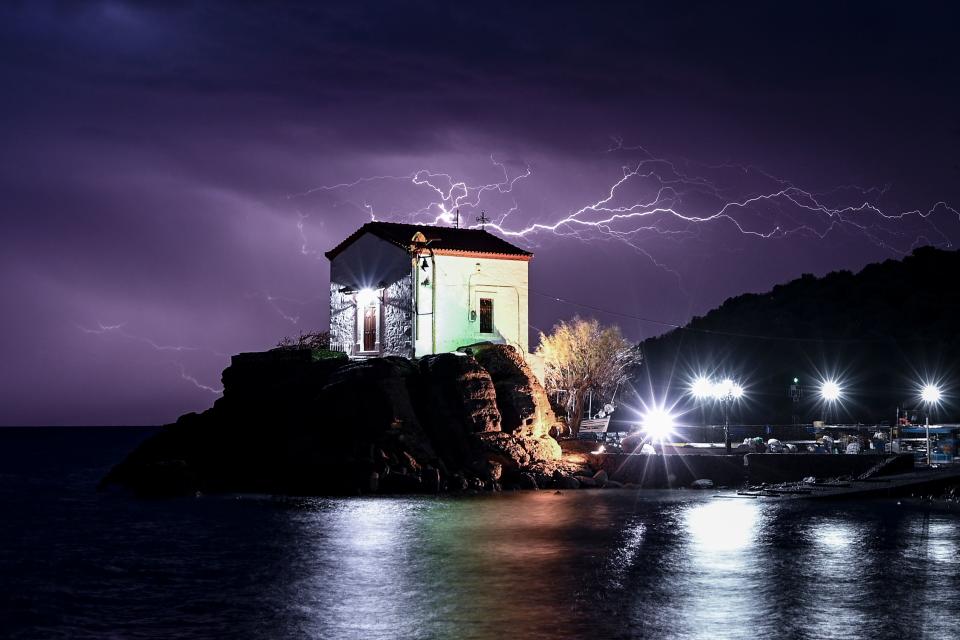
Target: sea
[[598, 564]]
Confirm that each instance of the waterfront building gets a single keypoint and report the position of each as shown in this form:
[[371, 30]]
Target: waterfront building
[[413, 290]]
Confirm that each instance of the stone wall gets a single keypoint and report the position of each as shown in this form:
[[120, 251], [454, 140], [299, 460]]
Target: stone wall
[[397, 319], [671, 471], [343, 319]]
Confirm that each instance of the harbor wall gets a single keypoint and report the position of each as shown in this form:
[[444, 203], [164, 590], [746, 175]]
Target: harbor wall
[[675, 471], [671, 471], [778, 467]]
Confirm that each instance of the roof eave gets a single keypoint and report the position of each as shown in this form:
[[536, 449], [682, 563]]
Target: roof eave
[[526, 256]]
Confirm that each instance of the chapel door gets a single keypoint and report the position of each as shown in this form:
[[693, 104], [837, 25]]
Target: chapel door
[[370, 327]]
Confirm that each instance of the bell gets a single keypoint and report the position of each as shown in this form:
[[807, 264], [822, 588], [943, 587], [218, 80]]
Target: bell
[[423, 264]]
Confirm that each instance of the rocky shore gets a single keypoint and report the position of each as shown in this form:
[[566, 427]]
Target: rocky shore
[[302, 422]]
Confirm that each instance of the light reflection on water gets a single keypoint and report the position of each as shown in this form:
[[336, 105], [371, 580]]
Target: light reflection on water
[[584, 564], [620, 565]]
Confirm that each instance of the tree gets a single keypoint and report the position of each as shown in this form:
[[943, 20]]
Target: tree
[[580, 356], [309, 340]]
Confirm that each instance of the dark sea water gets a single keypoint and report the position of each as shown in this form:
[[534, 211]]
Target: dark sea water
[[75, 563]]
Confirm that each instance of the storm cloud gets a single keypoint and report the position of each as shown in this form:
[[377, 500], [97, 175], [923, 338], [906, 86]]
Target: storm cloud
[[172, 172]]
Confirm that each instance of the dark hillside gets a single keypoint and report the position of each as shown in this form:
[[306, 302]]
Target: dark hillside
[[879, 332]]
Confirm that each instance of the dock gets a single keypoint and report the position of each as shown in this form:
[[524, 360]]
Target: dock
[[867, 486]]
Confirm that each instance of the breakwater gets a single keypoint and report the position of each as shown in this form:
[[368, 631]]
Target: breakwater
[[674, 471]]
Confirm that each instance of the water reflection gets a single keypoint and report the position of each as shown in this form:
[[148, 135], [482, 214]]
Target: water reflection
[[720, 528], [597, 564], [616, 565], [362, 562]]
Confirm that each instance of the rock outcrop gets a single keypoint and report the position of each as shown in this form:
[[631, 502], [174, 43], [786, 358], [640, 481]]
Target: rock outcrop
[[522, 401], [289, 422]]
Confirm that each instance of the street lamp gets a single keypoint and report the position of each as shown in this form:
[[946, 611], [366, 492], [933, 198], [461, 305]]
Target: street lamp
[[830, 392], [657, 424], [725, 392], [701, 388], [930, 394]]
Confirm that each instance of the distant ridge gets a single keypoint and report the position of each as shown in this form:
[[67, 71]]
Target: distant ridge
[[880, 331]]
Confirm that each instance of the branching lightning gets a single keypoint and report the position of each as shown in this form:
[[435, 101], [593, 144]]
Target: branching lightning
[[675, 201], [118, 330], [189, 378], [275, 304]]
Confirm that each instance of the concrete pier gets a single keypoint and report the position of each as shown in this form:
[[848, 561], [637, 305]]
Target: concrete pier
[[675, 471]]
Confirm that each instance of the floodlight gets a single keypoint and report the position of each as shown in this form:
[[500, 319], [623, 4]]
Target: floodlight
[[701, 387], [725, 389], [657, 423], [365, 297], [830, 391], [930, 394]]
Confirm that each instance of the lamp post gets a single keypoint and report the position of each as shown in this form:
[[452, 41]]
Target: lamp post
[[726, 392], [930, 394]]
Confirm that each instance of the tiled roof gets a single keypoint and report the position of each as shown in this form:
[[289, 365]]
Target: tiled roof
[[444, 239]]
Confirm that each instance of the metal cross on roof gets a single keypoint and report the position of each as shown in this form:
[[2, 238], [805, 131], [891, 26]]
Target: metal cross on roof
[[483, 220]]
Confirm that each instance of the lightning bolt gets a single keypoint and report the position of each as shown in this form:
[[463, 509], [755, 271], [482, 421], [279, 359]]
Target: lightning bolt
[[274, 303], [657, 196], [118, 329], [447, 194], [189, 378]]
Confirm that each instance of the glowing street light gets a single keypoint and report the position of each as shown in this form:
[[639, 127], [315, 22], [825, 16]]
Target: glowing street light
[[723, 391], [727, 390], [657, 424], [830, 391], [930, 394], [701, 388]]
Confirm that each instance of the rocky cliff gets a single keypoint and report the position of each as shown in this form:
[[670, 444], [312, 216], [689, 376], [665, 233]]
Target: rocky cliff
[[291, 423]]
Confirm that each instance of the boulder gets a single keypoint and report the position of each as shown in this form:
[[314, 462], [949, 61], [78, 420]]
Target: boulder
[[401, 483], [568, 482], [521, 399], [527, 481], [702, 483], [586, 482], [601, 478], [461, 391], [515, 451], [430, 478], [542, 449], [371, 396]]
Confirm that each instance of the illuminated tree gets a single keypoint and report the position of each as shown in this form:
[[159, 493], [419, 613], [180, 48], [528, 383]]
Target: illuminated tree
[[580, 356]]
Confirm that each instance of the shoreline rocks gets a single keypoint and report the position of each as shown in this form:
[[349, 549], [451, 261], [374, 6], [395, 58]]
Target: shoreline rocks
[[289, 423]]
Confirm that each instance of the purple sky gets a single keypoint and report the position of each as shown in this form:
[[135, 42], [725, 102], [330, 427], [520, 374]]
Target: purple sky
[[169, 171]]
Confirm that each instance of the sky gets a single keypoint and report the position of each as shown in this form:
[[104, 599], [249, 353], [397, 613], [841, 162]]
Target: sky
[[172, 172]]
